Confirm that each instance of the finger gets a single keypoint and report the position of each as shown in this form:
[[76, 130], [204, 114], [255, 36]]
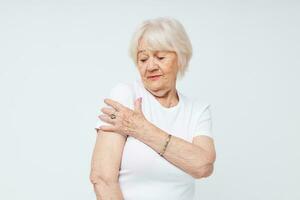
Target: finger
[[108, 111], [116, 105], [106, 119]]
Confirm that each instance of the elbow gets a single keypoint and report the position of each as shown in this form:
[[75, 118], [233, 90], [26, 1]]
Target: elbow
[[211, 158], [96, 178], [206, 170]]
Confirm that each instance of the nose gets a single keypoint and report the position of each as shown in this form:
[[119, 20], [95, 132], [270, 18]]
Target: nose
[[152, 65]]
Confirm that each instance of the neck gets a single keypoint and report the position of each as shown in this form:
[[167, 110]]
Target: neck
[[167, 98]]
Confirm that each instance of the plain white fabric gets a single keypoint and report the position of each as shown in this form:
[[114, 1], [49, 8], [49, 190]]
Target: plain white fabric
[[144, 175]]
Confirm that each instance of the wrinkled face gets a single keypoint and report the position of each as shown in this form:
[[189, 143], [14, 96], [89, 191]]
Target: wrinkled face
[[158, 69]]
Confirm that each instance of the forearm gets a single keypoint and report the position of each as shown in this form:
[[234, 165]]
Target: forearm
[[107, 190], [189, 157]]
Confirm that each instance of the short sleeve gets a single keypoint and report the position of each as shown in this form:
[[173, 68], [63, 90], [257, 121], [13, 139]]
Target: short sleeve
[[204, 122], [121, 93]]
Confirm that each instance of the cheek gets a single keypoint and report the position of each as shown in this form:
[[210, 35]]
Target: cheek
[[169, 68], [141, 69]]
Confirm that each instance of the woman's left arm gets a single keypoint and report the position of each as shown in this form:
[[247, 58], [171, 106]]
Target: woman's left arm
[[195, 158], [191, 158]]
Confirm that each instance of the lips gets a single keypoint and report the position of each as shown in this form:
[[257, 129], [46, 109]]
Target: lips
[[154, 76]]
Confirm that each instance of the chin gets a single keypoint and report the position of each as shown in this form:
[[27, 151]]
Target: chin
[[155, 86]]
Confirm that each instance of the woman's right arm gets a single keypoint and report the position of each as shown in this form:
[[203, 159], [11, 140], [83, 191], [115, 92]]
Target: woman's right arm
[[105, 165]]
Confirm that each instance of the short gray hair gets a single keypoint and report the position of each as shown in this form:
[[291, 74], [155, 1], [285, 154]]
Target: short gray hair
[[163, 33]]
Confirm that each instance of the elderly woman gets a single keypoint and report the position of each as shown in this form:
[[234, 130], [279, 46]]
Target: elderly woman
[[153, 141]]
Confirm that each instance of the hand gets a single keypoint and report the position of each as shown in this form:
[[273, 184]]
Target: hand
[[127, 121]]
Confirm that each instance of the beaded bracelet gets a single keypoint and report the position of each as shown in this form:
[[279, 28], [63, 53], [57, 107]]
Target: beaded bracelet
[[166, 144]]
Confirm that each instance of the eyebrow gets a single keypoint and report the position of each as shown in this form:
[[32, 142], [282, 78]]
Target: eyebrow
[[140, 51], [143, 50]]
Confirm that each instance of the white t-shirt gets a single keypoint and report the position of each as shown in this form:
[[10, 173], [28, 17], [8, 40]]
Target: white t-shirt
[[144, 174]]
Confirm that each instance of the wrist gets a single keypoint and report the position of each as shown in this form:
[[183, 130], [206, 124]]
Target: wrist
[[145, 129]]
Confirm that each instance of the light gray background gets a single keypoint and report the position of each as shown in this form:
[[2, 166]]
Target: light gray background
[[58, 59]]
